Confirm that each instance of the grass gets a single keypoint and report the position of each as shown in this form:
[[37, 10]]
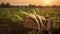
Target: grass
[[10, 13]]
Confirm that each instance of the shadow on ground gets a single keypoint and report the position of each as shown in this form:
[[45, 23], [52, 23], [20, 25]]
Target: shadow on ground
[[9, 27]]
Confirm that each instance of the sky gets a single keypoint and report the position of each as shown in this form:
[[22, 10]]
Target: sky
[[35, 2]]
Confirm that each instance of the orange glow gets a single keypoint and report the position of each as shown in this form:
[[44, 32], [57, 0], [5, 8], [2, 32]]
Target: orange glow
[[46, 1], [36, 2]]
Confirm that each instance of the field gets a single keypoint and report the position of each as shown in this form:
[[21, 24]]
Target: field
[[17, 14]]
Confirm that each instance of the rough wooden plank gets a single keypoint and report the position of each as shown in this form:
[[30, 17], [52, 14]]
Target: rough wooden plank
[[48, 24], [31, 23]]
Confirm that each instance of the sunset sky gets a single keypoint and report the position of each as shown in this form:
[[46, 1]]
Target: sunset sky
[[36, 2]]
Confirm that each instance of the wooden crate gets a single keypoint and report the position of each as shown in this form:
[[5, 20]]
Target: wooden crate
[[31, 23]]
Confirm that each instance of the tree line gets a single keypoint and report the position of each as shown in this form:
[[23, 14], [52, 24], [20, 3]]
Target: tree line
[[8, 5]]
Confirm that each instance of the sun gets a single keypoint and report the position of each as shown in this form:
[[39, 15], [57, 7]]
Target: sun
[[46, 2]]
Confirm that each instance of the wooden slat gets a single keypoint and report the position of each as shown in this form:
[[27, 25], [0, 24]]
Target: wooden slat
[[31, 23], [48, 24]]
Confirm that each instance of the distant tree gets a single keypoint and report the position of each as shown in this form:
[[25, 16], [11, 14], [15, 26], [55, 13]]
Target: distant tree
[[22, 6], [54, 6], [34, 6], [25, 6], [30, 5], [7, 5], [58, 6], [39, 6], [2, 4]]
